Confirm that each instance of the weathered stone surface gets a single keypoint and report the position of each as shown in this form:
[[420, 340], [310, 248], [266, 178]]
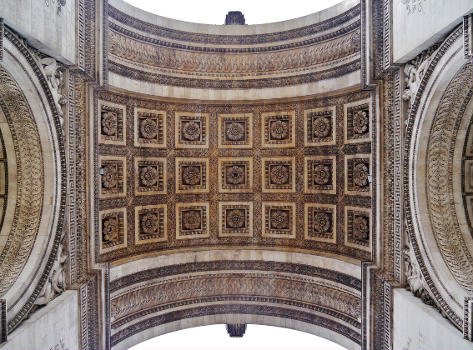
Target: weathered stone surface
[[157, 175]]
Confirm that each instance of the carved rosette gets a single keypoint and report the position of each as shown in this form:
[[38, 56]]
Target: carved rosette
[[358, 227], [319, 126], [320, 222], [278, 129], [192, 175], [150, 224], [279, 220], [235, 130], [150, 175], [192, 220], [235, 219], [235, 174], [278, 174]]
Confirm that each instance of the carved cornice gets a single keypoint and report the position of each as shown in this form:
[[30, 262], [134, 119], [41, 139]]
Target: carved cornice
[[119, 30], [86, 48], [468, 36], [331, 297], [468, 319], [137, 74], [3, 321], [225, 287], [1, 38], [90, 313]]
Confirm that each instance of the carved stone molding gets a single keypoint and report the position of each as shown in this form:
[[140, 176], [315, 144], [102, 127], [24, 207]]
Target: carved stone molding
[[30, 180], [76, 181], [148, 52], [1, 38], [438, 186], [89, 313], [3, 321], [468, 36], [468, 319], [30, 135], [139, 300], [439, 168], [86, 37]]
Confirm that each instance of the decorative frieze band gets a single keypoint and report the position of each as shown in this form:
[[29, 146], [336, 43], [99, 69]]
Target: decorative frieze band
[[468, 36], [468, 319], [3, 321], [1, 39]]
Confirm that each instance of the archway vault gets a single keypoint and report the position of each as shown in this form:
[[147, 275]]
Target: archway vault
[[173, 174], [233, 174]]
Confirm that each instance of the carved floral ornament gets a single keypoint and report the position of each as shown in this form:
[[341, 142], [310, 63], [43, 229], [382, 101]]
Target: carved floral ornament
[[414, 72], [56, 283], [53, 71], [321, 222], [109, 123]]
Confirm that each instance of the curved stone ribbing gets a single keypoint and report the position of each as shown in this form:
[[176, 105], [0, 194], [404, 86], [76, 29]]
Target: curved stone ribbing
[[30, 181], [304, 293], [148, 52], [439, 165]]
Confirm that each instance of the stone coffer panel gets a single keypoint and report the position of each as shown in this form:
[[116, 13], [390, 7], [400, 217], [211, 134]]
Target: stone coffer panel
[[294, 175]]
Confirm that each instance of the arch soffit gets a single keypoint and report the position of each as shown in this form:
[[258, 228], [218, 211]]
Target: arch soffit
[[230, 318], [214, 272], [310, 55]]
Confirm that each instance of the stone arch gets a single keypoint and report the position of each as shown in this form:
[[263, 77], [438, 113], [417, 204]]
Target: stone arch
[[156, 295], [441, 242], [247, 318], [34, 229]]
